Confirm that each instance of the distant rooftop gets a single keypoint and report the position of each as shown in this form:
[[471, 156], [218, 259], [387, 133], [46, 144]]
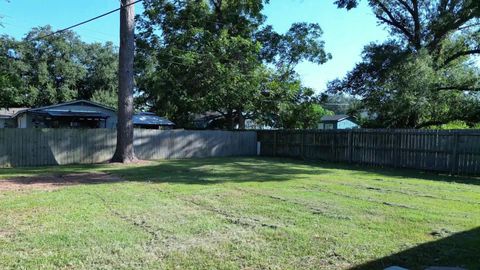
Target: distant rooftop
[[337, 117], [7, 113], [147, 118]]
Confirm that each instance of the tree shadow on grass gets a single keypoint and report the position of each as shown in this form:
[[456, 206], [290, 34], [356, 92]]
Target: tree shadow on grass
[[457, 250], [7, 173], [233, 169], [392, 172], [216, 171], [203, 171]]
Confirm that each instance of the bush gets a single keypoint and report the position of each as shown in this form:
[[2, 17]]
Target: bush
[[457, 124]]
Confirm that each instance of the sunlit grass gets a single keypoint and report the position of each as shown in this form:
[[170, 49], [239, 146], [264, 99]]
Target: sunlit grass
[[241, 213]]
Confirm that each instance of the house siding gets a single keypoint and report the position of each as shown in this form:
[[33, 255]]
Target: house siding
[[22, 121], [327, 125], [346, 124], [342, 124]]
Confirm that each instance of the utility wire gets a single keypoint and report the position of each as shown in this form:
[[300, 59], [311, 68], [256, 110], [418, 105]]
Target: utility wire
[[25, 23], [117, 9], [87, 21], [96, 38]]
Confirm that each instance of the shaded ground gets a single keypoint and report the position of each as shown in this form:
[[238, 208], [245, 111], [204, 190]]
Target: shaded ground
[[236, 213], [52, 182]]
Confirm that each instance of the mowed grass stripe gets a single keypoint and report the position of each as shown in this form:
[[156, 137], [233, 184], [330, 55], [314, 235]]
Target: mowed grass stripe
[[237, 213]]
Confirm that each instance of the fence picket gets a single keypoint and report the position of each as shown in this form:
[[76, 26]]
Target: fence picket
[[447, 151], [36, 147]]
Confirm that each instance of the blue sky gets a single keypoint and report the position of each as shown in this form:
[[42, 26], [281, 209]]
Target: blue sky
[[345, 32]]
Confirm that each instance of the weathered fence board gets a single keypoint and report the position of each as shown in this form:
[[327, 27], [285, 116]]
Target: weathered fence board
[[37, 147], [456, 152]]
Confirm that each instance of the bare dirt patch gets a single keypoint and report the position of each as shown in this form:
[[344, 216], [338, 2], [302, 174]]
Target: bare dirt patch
[[53, 182], [133, 163], [5, 233]]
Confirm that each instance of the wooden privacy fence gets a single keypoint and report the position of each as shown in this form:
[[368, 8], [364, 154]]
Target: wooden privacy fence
[[456, 152], [37, 147]]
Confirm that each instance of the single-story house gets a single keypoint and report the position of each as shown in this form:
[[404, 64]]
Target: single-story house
[[339, 121], [74, 114]]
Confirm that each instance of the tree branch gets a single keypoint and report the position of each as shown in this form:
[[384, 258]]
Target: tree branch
[[417, 25], [448, 27], [409, 8], [222, 113], [392, 20], [459, 88], [460, 54], [468, 26]]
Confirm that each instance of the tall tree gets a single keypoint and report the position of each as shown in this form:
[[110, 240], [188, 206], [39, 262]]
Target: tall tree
[[42, 69], [53, 63], [11, 94], [214, 55], [124, 151], [430, 24], [420, 75], [101, 80]]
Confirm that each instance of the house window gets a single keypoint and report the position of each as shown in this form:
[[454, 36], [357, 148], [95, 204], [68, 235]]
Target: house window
[[328, 126]]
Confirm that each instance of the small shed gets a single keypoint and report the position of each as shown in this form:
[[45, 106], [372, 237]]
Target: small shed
[[149, 120], [339, 121]]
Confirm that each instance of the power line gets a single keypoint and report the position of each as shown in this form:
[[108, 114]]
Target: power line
[[96, 38], [31, 25], [108, 13], [87, 21]]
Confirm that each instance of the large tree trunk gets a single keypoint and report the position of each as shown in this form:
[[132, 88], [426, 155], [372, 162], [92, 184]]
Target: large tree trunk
[[241, 120], [230, 120], [124, 152]]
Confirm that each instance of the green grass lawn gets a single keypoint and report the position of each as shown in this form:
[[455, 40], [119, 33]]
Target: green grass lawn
[[241, 213]]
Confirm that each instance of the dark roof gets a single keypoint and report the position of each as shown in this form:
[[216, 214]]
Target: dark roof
[[73, 102], [144, 118], [70, 113], [336, 118], [147, 118]]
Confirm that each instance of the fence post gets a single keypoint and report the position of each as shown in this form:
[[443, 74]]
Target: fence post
[[350, 146], [395, 145], [274, 143], [454, 165], [334, 145], [302, 149]]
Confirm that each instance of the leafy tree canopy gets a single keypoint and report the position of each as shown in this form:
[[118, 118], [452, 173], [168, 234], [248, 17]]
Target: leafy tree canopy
[[217, 55], [426, 71], [42, 70]]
